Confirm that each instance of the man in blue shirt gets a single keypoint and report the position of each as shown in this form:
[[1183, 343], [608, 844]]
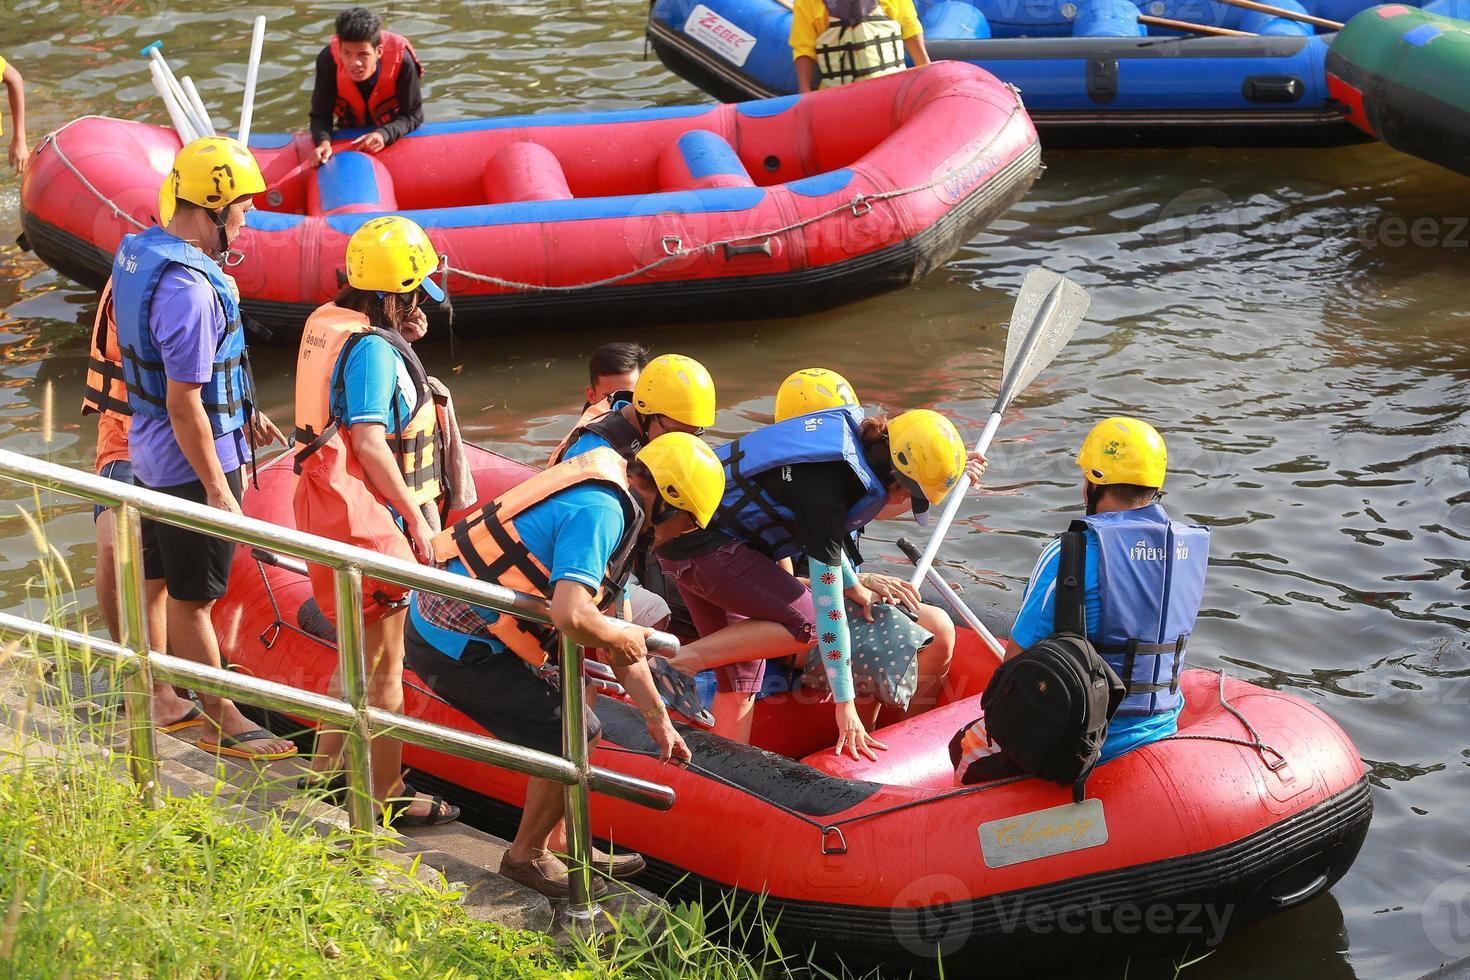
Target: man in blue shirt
[[1142, 587], [566, 534], [182, 347]]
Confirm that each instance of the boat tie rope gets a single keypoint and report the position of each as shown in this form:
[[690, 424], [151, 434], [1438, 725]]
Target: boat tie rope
[[674, 249], [1273, 759], [50, 140]]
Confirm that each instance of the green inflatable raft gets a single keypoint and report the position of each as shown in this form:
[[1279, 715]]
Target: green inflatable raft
[[1403, 75]]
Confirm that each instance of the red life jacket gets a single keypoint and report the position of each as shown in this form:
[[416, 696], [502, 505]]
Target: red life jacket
[[382, 104]]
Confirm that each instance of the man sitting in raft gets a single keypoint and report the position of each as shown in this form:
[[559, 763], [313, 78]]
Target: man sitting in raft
[[1143, 583], [838, 41], [568, 533], [820, 389], [613, 368], [672, 393], [801, 487], [367, 77]]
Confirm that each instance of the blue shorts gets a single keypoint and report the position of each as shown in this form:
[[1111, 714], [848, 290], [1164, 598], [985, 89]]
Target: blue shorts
[[120, 470]]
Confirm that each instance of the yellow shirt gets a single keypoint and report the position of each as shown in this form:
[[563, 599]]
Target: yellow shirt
[[809, 18]]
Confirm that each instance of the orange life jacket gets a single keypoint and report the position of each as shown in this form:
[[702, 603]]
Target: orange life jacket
[[382, 103], [600, 418], [492, 550], [106, 391], [329, 335]]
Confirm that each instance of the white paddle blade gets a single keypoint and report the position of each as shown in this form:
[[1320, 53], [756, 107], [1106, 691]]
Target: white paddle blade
[[1046, 314]]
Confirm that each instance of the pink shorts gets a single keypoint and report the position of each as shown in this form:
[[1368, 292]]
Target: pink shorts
[[736, 582]]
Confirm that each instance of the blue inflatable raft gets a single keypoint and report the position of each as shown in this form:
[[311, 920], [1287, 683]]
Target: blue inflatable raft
[[1090, 73]]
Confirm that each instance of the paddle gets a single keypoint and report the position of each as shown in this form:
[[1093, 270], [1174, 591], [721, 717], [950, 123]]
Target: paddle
[[955, 602], [1045, 316], [1184, 25], [252, 73], [1266, 8]]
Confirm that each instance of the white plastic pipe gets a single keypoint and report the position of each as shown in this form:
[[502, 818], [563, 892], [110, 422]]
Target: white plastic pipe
[[198, 105], [175, 112], [252, 73], [155, 54]]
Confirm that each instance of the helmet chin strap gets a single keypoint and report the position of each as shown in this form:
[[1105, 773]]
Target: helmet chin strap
[[228, 257], [1094, 494]]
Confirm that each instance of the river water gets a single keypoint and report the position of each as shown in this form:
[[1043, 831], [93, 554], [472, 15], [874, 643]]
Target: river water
[[1292, 321]]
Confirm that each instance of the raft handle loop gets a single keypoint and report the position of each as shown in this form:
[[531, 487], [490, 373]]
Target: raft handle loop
[[672, 244], [270, 634], [840, 847], [861, 205]]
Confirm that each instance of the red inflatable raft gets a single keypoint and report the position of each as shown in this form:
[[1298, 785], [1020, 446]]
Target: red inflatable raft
[[1257, 805], [770, 208]]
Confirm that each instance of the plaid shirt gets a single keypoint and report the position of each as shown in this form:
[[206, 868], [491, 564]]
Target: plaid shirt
[[454, 615]]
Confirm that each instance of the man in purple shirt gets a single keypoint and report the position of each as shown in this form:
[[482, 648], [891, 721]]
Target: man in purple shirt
[[183, 357]]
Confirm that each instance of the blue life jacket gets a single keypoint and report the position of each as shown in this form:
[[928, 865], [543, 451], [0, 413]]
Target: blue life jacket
[[1151, 580], [140, 263], [748, 513]]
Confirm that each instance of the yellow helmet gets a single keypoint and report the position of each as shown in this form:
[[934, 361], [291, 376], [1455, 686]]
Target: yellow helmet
[[679, 387], [929, 455], [688, 474], [211, 172], [812, 390], [392, 255], [1124, 450]]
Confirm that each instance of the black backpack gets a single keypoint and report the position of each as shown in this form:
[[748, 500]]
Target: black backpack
[[1048, 707]]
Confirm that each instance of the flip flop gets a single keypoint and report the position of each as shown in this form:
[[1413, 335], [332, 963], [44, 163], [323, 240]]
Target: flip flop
[[679, 693], [194, 716], [230, 745], [440, 811]]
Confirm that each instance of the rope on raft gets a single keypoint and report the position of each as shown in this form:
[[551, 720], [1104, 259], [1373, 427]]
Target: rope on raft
[[50, 139], [674, 248]]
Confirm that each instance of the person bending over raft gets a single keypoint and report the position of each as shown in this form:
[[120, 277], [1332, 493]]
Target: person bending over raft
[[368, 455], [834, 42], [567, 534], [367, 77], [1143, 582], [672, 393], [612, 368], [801, 487], [819, 389]]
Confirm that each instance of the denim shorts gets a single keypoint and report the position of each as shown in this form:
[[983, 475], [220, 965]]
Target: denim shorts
[[120, 470]]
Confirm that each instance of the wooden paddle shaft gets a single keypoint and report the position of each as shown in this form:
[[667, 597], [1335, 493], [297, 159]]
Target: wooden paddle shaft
[[1184, 25], [1266, 8]]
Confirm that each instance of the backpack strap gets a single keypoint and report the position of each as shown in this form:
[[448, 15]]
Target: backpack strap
[[1069, 612]]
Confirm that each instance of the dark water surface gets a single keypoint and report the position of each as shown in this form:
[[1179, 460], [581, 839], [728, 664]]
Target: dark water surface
[[1293, 322]]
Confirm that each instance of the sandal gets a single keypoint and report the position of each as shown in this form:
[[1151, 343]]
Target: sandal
[[190, 718], [333, 789], [440, 811], [679, 693], [230, 745]]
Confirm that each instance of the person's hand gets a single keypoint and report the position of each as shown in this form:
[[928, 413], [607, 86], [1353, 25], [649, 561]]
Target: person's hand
[[864, 598], [670, 743], [265, 430], [852, 736], [323, 152], [889, 588], [222, 499], [415, 326], [20, 153], [975, 468], [370, 142], [420, 537], [632, 645]]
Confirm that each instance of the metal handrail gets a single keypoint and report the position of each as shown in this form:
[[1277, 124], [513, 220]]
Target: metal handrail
[[360, 720]]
